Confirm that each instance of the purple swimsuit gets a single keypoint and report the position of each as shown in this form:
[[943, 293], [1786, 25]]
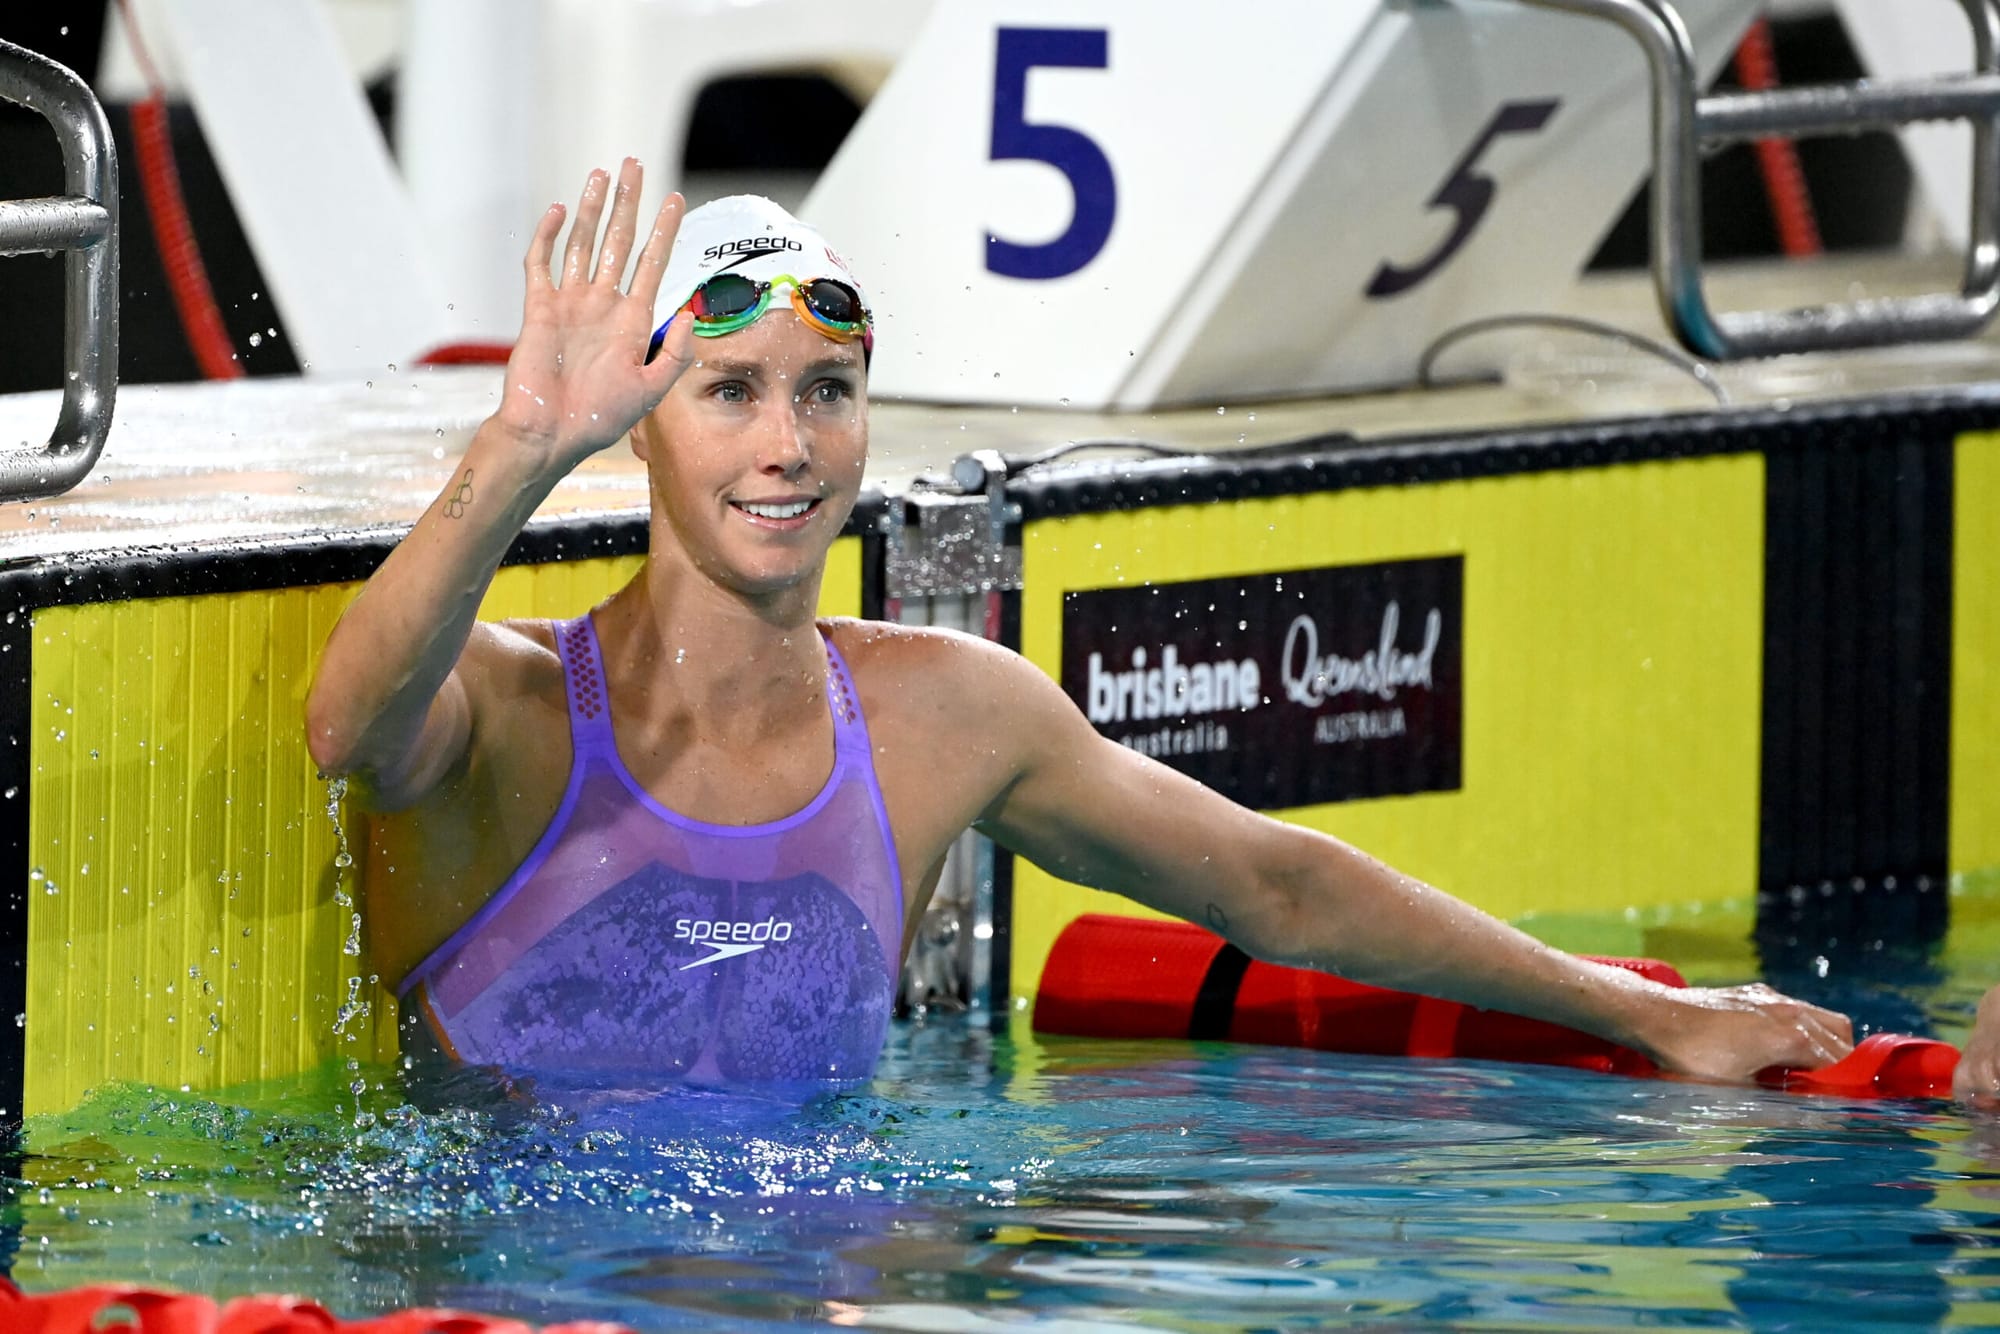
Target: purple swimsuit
[[639, 944]]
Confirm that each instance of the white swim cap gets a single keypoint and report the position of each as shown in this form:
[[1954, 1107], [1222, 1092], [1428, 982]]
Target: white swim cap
[[750, 235]]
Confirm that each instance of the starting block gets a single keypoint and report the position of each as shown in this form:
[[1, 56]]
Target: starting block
[[1104, 206]]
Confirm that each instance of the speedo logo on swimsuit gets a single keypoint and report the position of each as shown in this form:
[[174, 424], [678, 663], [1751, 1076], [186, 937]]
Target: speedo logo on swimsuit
[[749, 247], [726, 940]]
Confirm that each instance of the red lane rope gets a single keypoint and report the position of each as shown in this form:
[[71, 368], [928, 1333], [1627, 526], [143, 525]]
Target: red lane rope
[[1778, 159], [1127, 977], [468, 354], [187, 278], [148, 1311], [159, 181]]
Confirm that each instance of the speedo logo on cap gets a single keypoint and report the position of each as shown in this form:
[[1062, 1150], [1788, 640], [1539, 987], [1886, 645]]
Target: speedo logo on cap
[[726, 940], [750, 248]]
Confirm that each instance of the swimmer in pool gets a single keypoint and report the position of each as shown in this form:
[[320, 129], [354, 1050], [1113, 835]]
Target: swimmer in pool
[[685, 837]]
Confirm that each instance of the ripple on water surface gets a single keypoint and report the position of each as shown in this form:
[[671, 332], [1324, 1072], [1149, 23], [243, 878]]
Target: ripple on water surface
[[983, 1183]]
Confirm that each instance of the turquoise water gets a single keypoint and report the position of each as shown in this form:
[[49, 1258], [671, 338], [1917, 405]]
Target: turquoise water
[[985, 1183]]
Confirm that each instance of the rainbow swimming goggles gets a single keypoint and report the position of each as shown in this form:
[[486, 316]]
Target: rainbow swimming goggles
[[730, 301]]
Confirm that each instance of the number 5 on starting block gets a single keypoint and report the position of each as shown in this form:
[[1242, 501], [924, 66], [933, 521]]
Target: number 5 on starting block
[[1109, 203]]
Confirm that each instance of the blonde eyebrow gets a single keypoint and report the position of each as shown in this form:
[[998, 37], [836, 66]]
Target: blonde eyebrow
[[756, 370], [749, 370], [833, 363]]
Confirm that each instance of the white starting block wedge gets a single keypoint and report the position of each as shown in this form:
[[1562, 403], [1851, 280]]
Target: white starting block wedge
[[311, 179], [1914, 39], [1108, 205]]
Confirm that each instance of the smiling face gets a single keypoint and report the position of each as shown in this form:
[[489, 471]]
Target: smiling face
[[757, 453]]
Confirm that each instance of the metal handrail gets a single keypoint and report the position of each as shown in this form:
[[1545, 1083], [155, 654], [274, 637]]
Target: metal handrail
[[83, 223], [1684, 123]]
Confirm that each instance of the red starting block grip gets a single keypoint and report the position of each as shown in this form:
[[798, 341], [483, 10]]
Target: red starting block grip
[[1134, 977]]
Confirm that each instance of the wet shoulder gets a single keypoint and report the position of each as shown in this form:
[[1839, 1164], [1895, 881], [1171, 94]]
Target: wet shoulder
[[933, 678], [510, 663]]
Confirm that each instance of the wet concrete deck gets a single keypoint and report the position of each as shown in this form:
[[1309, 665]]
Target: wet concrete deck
[[271, 458]]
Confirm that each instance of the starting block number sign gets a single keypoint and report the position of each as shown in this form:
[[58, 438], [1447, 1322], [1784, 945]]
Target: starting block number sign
[[1115, 204]]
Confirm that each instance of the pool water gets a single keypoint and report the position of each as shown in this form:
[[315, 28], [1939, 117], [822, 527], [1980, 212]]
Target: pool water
[[988, 1183]]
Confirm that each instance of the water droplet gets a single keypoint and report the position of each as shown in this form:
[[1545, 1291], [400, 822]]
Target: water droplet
[[256, 340], [352, 1008]]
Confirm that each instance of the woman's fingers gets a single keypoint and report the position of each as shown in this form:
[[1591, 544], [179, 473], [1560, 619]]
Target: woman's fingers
[[624, 223], [653, 258], [1756, 1027], [1827, 1036], [673, 358], [1976, 1080], [583, 232], [542, 246]]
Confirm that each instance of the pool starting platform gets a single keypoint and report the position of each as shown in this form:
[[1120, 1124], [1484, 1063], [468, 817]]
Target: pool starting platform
[[1709, 684]]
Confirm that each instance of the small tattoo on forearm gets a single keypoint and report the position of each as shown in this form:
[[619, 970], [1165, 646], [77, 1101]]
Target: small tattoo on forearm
[[455, 504], [1218, 918]]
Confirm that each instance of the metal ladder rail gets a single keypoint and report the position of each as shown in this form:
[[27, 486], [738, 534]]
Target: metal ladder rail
[[1683, 123], [83, 223]]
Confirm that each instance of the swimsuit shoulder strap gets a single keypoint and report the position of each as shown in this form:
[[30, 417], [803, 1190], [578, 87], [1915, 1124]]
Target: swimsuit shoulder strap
[[850, 728], [583, 682], [854, 757]]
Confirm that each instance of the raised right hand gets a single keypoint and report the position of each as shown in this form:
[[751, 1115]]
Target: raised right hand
[[578, 378]]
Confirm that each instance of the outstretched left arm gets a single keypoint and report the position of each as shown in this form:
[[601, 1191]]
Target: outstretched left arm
[[1095, 812]]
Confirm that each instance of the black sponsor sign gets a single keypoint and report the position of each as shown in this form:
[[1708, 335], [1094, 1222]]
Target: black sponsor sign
[[1285, 689]]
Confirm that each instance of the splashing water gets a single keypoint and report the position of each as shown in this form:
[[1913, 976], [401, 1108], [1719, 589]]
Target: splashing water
[[351, 1009], [354, 1007], [987, 1182], [336, 792]]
